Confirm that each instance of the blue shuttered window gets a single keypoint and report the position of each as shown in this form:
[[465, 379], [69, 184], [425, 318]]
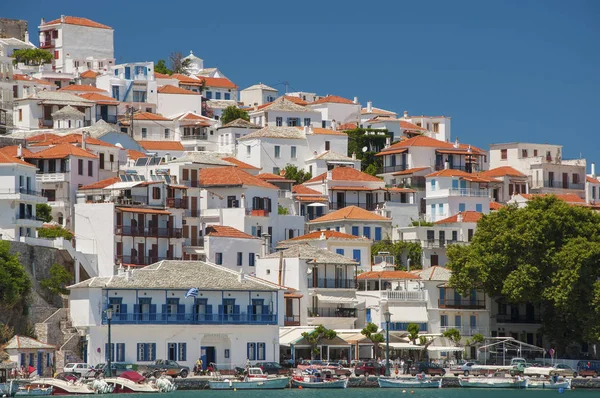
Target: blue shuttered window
[[261, 351], [367, 232], [117, 352], [356, 255], [146, 352], [377, 233], [182, 348], [340, 251], [251, 259], [355, 231], [251, 351]]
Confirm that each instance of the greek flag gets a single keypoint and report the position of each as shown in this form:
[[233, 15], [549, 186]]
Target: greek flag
[[193, 292]]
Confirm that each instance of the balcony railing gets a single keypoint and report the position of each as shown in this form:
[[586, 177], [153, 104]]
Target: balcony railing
[[364, 205], [177, 203], [24, 191], [107, 118], [332, 283], [469, 192], [400, 296], [27, 216], [191, 183], [47, 43], [192, 213], [49, 176], [331, 312], [291, 320], [558, 184], [192, 319], [45, 123], [392, 169], [195, 137], [143, 260], [148, 232], [509, 318], [468, 168], [461, 304], [197, 242]]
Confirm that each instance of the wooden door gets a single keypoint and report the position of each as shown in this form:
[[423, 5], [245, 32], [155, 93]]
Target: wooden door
[[434, 260], [141, 251], [565, 180], [194, 235], [155, 224], [154, 253], [194, 206], [141, 223]]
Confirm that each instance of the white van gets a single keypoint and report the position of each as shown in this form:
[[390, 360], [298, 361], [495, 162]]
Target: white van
[[82, 369]]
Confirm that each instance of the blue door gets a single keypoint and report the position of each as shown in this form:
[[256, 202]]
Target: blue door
[[127, 73], [368, 315], [442, 296], [40, 363]]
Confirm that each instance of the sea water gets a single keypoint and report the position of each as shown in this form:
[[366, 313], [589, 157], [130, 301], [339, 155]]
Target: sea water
[[382, 392]]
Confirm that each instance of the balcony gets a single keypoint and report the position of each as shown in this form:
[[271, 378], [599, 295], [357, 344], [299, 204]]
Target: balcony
[[197, 242], [45, 123], [473, 192], [149, 232], [403, 296], [27, 216], [438, 243], [47, 43], [291, 320], [20, 191], [259, 213], [466, 330], [392, 169], [364, 205], [143, 260], [471, 168], [191, 319], [509, 318], [192, 213], [331, 312], [462, 304], [332, 283], [190, 137], [558, 184], [177, 203], [51, 177], [191, 183], [112, 119]]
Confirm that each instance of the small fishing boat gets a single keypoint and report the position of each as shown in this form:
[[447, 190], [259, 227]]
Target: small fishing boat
[[386, 382], [255, 380], [29, 390], [316, 382], [493, 382], [8, 389], [549, 384]]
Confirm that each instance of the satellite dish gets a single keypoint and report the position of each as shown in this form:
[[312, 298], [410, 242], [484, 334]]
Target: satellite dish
[[364, 149]]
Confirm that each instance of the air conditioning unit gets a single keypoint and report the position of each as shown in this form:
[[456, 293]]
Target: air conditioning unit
[[183, 222]]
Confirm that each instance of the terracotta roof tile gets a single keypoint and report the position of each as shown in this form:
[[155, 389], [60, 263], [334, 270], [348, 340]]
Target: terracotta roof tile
[[99, 98], [41, 137], [74, 138], [377, 111], [12, 151], [350, 213], [26, 78], [223, 231], [462, 174], [327, 234], [162, 76], [410, 171], [592, 180], [149, 116], [78, 21], [83, 88], [7, 159], [502, 172], [295, 100], [61, 151], [161, 145], [346, 174], [335, 99], [144, 210], [347, 126], [186, 80], [168, 89], [304, 190], [567, 197], [310, 199], [495, 205], [272, 177], [101, 184], [240, 164], [322, 131], [467, 216], [230, 176], [410, 126], [387, 275], [89, 74], [135, 155], [424, 141], [217, 82]]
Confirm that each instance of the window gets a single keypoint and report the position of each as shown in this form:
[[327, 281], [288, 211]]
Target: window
[[276, 170], [340, 251], [248, 150], [209, 94], [436, 127], [457, 321], [251, 259], [55, 54], [101, 161], [80, 167], [454, 236], [115, 92], [575, 178], [367, 232], [156, 193], [181, 351], [462, 207], [440, 209], [293, 121], [251, 351], [20, 115], [355, 231], [219, 258], [593, 192], [293, 152], [227, 96], [470, 235], [240, 259], [278, 121], [523, 153], [535, 152], [443, 320], [356, 256], [324, 123], [433, 184], [307, 121], [261, 354], [139, 96], [377, 233], [327, 145], [167, 134], [90, 168], [218, 95], [504, 154], [277, 151], [120, 352], [144, 132], [479, 207]]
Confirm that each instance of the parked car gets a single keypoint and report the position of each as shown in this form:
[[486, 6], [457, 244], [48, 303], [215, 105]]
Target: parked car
[[588, 368], [369, 368], [271, 368], [463, 368], [170, 368], [117, 368], [427, 368], [563, 370], [82, 369], [338, 368]]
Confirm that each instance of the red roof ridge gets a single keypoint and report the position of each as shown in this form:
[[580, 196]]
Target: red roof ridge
[[345, 174], [69, 20], [336, 99], [170, 89], [467, 216], [350, 213], [240, 164], [224, 231], [101, 184]]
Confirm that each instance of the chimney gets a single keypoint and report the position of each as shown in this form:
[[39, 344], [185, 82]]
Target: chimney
[[369, 106], [26, 37], [265, 245], [128, 274], [456, 143], [120, 270], [310, 128], [241, 276], [459, 217], [167, 157], [406, 114], [20, 154], [83, 137], [355, 100], [62, 19], [333, 125], [593, 170], [388, 142], [353, 155], [322, 237], [306, 129], [43, 21]]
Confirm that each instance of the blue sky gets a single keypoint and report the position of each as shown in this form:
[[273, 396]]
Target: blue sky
[[505, 71]]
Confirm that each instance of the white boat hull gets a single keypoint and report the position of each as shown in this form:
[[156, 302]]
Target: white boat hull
[[408, 383], [321, 384], [492, 383], [261, 384], [549, 385]]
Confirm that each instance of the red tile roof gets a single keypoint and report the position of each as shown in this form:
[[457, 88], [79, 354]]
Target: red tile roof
[[135, 155], [567, 197], [350, 213], [295, 100], [502, 172], [162, 76], [99, 98], [101, 184], [220, 82], [424, 141], [61, 151], [327, 234], [7, 159], [335, 99], [30, 79], [467, 216], [592, 180], [83, 88], [387, 275], [12, 151], [240, 164], [462, 174], [78, 21], [187, 80], [161, 145], [410, 126], [347, 126], [41, 137], [149, 116], [74, 138], [168, 89], [495, 205], [410, 171], [346, 174], [377, 111], [272, 177], [304, 190], [230, 176], [223, 231], [89, 74]]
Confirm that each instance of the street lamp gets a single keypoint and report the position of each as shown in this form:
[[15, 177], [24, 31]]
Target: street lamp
[[387, 316], [109, 315]]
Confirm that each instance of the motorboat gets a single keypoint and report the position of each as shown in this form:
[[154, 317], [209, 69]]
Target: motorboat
[[493, 382], [314, 381], [254, 380], [63, 387], [29, 390], [388, 382], [551, 384]]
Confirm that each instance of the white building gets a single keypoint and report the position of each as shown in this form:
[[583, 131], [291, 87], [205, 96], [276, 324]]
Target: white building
[[370, 112], [233, 318], [592, 187], [437, 127], [227, 136], [19, 196], [232, 248], [173, 100], [149, 126], [196, 132], [336, 110], [326, 281], [284, 112], [25, 351], [133, 84], [547, 170], [513, 182], [258, 94], [78, 44]]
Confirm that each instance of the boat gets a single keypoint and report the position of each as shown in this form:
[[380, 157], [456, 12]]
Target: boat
[[493, 382], [316, 382], [8, 389], [549, 384], [133, 382], [255, 380], [64, 387], [387, 382], [34, 391]]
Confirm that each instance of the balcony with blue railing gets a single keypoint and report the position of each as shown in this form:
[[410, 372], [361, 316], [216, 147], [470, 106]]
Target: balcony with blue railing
[[191, 319], [331, 283]]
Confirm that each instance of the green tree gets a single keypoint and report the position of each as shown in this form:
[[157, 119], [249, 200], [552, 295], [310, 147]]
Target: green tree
[[370, 331], [282, 211], [32, 56], [180, 64], [366, 146], [15, 284], [293, 173], [44, 211], [454, 336], [412, 250], [371, 169], [58, 280], [314, 338], [547, 254], [161, 67], [54, 232], [232, 113]]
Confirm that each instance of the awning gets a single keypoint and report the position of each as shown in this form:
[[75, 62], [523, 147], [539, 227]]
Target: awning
[[416, 314], [123, 184], [444, 349], [142, 210], [193, 250], [316, 204], [336, 299], [458, 152], [405, 346]]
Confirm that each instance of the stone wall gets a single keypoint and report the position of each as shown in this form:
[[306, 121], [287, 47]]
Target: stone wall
[[13, 28]]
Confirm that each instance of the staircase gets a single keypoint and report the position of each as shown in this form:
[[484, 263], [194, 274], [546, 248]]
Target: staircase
[[58, 330]]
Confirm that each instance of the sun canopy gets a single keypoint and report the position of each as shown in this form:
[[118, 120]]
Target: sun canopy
[[405, 346], [416, 314], [336, 299], [316, 204]]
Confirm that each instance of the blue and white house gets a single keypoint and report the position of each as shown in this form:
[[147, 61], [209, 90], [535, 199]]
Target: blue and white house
[[230, 318]]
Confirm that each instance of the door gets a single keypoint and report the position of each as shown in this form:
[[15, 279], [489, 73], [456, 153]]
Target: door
[[289, 309], [369, 200], [565, 180], [435, 260], [140, 252], [194, 236], [104, 112], [529, 312], [457, 298], [442, 236], [40, 363], [154, 253], [154, 230], [550, 179], [463, 187], [194, 206], [141, 223], [208, 356], [127, 72], [194, 175], [341, 200]]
